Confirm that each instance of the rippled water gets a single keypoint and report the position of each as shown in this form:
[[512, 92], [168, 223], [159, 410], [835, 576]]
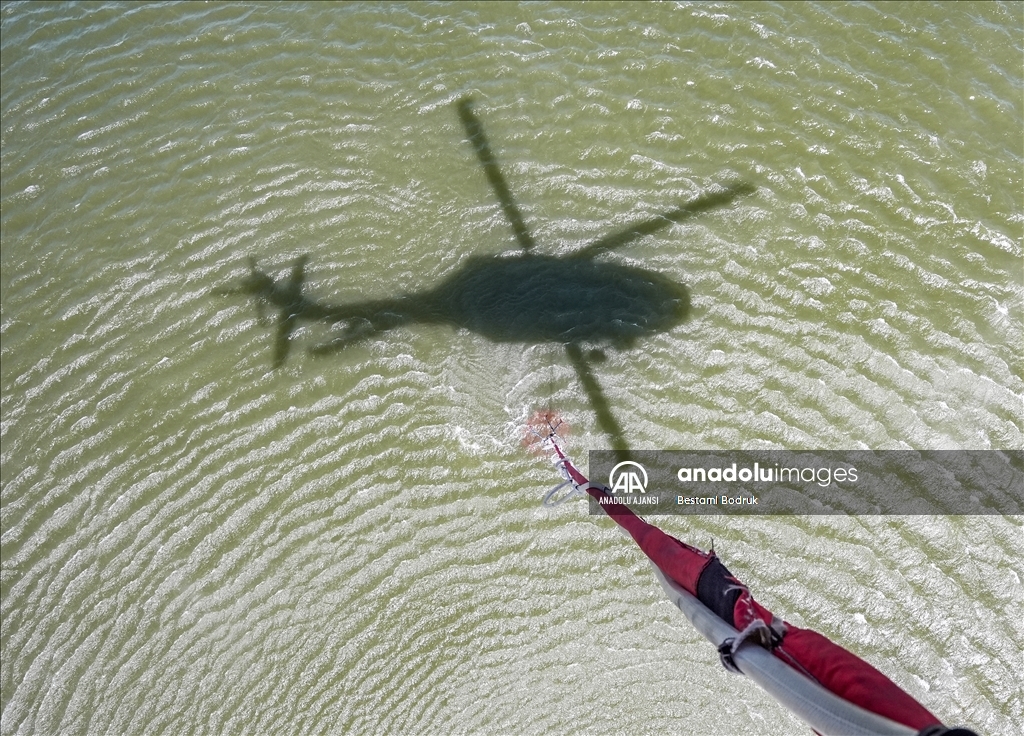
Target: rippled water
[[196, 543]]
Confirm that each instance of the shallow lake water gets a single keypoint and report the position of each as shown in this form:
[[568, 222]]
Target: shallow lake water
[[194, 541]]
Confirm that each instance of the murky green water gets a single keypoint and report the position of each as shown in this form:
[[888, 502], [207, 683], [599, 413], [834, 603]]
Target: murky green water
[[196, 543]]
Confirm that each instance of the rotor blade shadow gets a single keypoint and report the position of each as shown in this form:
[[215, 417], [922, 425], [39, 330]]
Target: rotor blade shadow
[[475, 131], [298, 274], [605, 419], [282, 338], [684, 212]]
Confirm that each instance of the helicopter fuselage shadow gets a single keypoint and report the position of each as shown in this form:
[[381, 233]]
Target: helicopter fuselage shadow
[[534, 298]]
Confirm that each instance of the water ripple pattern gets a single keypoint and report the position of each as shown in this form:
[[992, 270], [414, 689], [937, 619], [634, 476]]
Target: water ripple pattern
[[196, 543]]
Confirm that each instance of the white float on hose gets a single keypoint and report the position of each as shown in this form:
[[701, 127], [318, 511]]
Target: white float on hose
[[821, 709]]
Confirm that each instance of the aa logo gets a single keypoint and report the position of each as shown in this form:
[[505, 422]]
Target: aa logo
[[628, 477]]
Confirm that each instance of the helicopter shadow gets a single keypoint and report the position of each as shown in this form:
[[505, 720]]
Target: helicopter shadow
[[574, 300]]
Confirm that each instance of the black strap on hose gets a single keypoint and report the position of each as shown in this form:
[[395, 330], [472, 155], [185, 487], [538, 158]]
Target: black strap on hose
[[757, 632]]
